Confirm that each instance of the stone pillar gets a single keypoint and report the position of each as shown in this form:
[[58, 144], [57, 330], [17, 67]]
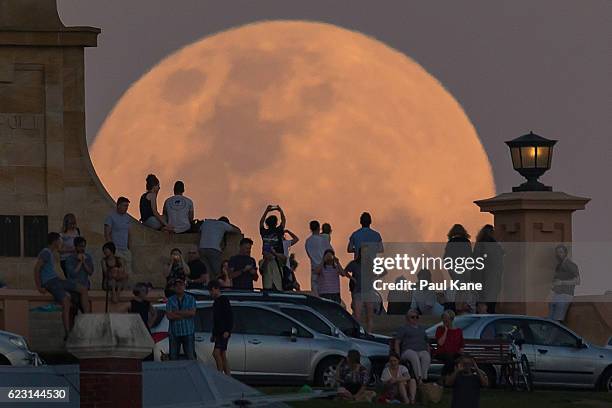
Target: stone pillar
[[110, 348], [530, 217]]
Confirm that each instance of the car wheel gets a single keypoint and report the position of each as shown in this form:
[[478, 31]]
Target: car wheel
[[605, 383], [4, 360], [325, 375]]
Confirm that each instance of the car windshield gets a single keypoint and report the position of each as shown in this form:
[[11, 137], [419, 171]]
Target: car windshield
[[339, 318], [460, 322]]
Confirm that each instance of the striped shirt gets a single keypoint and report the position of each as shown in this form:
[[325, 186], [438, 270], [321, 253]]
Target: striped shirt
[[181, 327], [329, 280]]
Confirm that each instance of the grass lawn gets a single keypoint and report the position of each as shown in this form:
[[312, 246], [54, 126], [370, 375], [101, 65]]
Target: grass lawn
[[489, 399]]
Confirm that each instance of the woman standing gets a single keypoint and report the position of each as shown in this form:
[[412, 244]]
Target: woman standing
[[149, 215], [457, 247], [329, 273], [113, 271], [450, 342], [69, 232], [491, 251], [178, 269], [397, 381]]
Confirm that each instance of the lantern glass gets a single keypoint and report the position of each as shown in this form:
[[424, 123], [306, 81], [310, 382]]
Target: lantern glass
[[516, 157], [543, 157], [528, 156]]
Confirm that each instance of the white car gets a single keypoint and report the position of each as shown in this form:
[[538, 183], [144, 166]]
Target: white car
[[14, 351]]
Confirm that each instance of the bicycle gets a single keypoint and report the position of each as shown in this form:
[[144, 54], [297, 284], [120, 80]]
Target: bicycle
[[517, 373]]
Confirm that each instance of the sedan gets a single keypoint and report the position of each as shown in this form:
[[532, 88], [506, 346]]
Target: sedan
[[557, 356], [266, 346]]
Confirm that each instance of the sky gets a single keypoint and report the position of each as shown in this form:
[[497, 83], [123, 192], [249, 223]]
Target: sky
[[514, 66]]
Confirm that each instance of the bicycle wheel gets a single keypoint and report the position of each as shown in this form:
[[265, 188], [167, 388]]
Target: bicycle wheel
[[526, 379]]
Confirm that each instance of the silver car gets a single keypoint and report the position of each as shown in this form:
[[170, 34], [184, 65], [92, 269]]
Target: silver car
[[14, 351], [266, 346], [557, 356]]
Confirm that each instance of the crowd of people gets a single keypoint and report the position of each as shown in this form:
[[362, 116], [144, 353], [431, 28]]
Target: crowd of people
[[204, 267]]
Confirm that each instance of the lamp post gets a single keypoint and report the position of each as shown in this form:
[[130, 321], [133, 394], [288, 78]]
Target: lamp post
[[531, 157]]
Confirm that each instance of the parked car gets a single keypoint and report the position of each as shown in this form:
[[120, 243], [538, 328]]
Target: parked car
[[14, 351], [334, 312], [266, 346], [557, 356]]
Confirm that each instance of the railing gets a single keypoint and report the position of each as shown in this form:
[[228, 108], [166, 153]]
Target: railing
[[16, 304]]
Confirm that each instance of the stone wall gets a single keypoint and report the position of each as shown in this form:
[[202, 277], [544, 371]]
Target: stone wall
[[45, 168]]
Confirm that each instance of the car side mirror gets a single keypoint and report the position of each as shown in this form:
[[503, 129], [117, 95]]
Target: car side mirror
[[294, 334], [580, 343], [336, 332]]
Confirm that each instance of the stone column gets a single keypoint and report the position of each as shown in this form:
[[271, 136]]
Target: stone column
[[110, 348], [536, 217]]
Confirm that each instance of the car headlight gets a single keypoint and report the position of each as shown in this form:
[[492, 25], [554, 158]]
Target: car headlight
[[18, 342]]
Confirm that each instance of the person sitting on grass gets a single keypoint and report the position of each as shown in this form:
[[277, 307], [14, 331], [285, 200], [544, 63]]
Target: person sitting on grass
[[353, 379], [397, 381], [47, 279], [466, 380]]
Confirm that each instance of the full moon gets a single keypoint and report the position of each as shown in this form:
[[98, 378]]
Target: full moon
[[323, 121]]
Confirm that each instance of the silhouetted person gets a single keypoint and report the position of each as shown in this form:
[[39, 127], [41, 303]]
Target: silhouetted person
[[491, 251], [223, 324], [564, 282], [243, 267], [212, 234], [457, 247], [271, 231], [149, 215], [179, 209], [316, 245]]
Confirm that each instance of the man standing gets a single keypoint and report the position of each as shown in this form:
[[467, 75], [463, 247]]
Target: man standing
[[212, 234], [117, 229], [316, 245], [242, 267], [47, 279], [180, 311], [223, 322], [365, 236], [179, 209], [198, 275]]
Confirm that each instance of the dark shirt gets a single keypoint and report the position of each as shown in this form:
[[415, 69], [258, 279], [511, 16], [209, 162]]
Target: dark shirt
[[466, 391], [354, 267], [142, 308], [223, 318], [566, 270], [197, 268], [273, 237], [146, 211], [458, 247], [245, 279]]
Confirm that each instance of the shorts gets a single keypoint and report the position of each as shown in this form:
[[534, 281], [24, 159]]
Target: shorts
[[152, 222], [221, 343], [59, 288]]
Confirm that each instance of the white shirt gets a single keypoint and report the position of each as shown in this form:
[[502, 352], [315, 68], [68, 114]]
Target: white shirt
[[402, 371], [212, 233], [178, 208], [316, 245]]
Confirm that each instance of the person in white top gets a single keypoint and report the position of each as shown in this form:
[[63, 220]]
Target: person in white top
[[316, 245], [397, 381], [178, 209], [212, 234], [288, 243]]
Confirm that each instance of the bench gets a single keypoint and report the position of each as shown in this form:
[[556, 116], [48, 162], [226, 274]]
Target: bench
[[492, 352]]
